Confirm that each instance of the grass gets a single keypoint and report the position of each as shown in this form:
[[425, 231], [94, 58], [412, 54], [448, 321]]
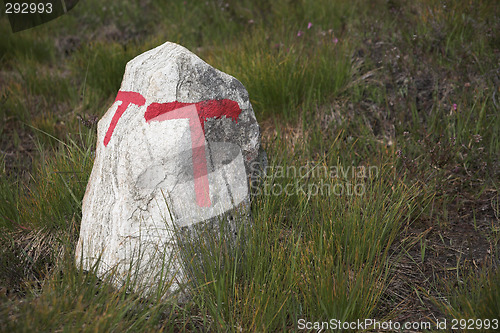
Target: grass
[[295, 72], [406, 89]]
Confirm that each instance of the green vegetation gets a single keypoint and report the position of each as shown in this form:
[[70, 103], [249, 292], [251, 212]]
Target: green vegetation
[[409, 89]]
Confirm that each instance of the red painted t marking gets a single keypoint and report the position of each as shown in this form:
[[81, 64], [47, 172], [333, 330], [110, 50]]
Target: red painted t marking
[[197, 113], [214, 108], [126, 97]]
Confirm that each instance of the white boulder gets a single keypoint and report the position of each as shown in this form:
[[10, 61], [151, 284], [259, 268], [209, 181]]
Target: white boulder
[[176, 151]]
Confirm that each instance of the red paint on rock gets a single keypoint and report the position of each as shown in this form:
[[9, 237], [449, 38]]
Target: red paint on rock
[[214, 108], [197, 113], [200, 111], [126, 97]]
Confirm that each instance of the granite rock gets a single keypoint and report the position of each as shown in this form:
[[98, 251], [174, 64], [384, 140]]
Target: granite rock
[[175, 157]]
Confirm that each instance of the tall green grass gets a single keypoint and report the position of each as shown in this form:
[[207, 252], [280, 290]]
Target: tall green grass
[[345, 91], [307, 255], [74, 300], [477, 296], [286, 72], [53, 197]]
